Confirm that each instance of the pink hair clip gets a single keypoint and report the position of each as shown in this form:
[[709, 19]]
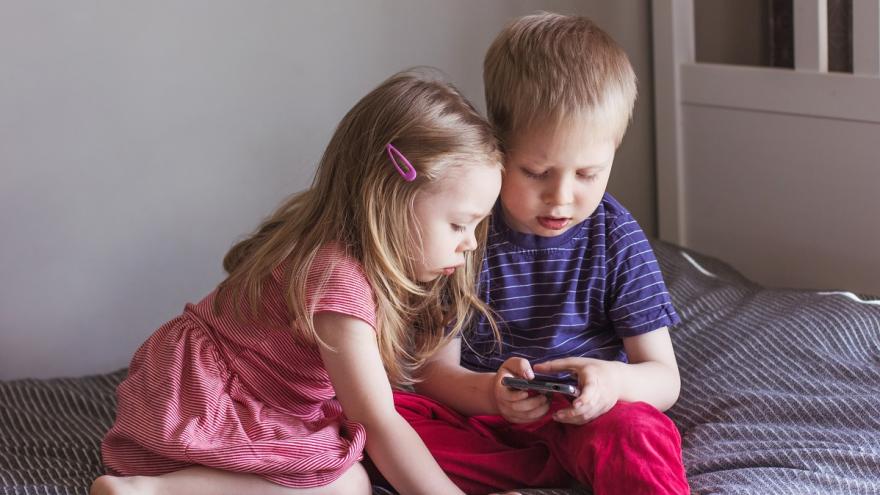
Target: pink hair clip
[[408, 172]]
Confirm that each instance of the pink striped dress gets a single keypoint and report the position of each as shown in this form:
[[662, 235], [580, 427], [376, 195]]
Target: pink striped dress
[[208, 390]]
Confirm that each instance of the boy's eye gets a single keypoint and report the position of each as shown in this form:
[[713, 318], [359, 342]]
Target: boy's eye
[[533, 175], [589, 177], [458, 228]]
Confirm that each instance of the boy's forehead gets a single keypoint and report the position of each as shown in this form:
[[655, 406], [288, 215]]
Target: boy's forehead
[[577, 140], [583, 127], [607, 116]]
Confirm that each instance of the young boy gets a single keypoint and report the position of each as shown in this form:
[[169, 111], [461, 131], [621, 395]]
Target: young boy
[[574, 283]]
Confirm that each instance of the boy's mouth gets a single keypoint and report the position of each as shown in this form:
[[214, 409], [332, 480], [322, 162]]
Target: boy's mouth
[[553, 223]]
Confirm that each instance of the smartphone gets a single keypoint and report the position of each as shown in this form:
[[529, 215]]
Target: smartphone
[[542, 386]]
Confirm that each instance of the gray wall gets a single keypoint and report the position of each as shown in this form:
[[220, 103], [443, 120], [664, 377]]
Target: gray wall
[[138, 140]]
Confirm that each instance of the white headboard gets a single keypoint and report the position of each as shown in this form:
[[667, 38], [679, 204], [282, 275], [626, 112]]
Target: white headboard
[[776, 171]]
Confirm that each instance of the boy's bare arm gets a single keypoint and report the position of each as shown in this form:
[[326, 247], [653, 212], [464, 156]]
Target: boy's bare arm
[[650, 376], [652, 373], [446, 381]]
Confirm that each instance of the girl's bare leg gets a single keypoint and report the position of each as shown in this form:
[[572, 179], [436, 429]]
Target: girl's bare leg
[[201, 480]]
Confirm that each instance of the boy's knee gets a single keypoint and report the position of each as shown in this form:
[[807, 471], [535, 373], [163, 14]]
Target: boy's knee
[[637, 421]]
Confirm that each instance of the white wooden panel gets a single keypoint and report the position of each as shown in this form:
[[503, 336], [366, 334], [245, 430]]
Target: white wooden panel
[[866, 37], [791, 201], [833, 95], [673, 23], [811, 35]]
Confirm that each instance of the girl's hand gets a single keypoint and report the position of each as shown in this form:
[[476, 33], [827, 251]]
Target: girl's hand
[[598, 382], [517, 406]]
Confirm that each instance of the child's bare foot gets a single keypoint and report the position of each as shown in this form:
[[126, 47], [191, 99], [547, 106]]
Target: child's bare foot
[[122, 485]]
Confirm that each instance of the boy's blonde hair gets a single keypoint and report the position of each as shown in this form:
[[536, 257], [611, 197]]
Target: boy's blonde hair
[[544, 69], [359, 202]]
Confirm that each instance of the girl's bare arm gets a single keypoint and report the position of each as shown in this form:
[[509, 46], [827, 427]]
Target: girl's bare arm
[[355, 368]]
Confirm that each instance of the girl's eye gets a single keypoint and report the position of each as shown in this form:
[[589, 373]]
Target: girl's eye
[[458, 228], [589, 178]]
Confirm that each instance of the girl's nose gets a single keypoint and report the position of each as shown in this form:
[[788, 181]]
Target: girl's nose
[[470, 242]]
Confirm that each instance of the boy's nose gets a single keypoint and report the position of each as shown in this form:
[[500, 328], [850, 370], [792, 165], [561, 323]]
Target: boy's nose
[[560, 193]]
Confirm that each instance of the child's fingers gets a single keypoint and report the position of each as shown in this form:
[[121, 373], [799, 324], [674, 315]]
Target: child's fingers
[[527, 410], [583, 409], [512, 395], [563, 364], [579, 405], [578, 419], [527, 404], [527, 416], [519, 368], [576, 415]]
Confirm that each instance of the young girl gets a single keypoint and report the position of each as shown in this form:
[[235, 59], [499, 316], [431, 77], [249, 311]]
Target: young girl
[[279, 379]]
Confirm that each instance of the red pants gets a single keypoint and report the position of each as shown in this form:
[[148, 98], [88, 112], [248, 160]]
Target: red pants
[[632, 449]]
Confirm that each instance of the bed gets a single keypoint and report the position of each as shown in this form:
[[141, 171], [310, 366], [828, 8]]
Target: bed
[[780, 394], [772, 169]]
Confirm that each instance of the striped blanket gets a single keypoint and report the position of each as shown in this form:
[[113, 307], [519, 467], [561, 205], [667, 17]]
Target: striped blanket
[[780, 388], [780, 394]]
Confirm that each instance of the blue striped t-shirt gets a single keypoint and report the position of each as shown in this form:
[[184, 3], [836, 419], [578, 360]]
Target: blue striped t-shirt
[[576, 294]]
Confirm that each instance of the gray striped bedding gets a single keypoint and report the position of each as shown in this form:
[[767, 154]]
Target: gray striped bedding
[[780, 394], [780, 388]]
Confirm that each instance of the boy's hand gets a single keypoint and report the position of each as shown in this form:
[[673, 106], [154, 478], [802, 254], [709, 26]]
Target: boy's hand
[[598, 381], [517, 406]]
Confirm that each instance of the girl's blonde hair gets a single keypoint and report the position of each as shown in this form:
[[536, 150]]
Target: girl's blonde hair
[[548, 68], [360, 203]]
